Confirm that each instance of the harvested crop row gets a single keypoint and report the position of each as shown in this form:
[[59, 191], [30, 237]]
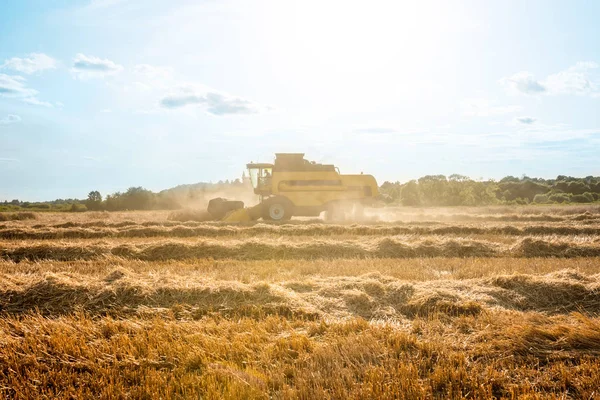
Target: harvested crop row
[[276, 271], [372, 296], [291, 230], [253, 249]]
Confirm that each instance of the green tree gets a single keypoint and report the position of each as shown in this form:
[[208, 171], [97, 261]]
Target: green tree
[[411, 194], [94, 201], [433, 189]]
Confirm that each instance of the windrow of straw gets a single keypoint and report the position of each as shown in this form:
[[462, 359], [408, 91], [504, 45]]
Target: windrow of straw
[[369, 296], [531, 247], [559, 292], [17, 216], [311, 230], [255, 249], [546, 339]]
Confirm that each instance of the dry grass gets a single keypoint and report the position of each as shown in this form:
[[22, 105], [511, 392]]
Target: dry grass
[[282, 357], [131, 305]]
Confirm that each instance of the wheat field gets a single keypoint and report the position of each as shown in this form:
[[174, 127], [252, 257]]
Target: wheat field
[[479, 303]]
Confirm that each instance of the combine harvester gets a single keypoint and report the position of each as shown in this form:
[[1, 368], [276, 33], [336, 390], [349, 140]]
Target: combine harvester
[[293, 186]]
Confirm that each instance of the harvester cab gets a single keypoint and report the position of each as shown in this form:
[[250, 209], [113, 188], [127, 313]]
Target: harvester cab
[[294, 186], [260, 178]]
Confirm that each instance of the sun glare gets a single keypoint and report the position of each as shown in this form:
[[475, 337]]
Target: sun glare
[[382, 49]]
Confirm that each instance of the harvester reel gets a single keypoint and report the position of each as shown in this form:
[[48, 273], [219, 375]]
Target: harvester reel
[[220, 207]]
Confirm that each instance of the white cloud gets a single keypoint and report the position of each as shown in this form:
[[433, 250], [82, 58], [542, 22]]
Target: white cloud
[[149, 89], [479, 107], [87, 67], [182, 100], [37, 102], [221, 104], [13, 86], [34, 62], [10, 119], [153, 72], [575, 80], [524, 82], [578, 79], [214, 102], [525, 120]]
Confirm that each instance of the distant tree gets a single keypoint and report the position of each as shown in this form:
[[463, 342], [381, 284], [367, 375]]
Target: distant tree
[[540, 198], [411, 194], [138, 198], [582, 198], [509, 178], [433, 188], [526, 189], [113, 202], [391, 190], [560, 198], [577, 187], [94, 201], [458, 178], [94, 196], [75, 207]]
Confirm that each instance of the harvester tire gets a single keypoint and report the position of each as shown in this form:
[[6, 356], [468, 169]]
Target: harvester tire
[[277, 209]]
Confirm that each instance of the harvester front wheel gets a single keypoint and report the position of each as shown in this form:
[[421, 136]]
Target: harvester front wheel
[[276, 210]]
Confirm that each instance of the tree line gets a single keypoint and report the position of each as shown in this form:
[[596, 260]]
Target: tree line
[[138, 198], [430, 190], [460, 190]]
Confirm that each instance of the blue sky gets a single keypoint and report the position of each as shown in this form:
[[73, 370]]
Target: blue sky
[[108, 94]]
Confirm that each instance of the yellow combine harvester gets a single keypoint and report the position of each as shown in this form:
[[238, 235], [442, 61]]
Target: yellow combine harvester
[[293, 186]]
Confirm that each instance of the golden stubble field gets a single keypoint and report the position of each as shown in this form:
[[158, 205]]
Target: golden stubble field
[[494, 302]]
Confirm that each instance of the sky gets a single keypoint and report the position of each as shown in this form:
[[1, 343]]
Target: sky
[[108, 94]]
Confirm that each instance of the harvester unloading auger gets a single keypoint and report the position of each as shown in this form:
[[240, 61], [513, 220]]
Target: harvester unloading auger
[[293, 186]]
